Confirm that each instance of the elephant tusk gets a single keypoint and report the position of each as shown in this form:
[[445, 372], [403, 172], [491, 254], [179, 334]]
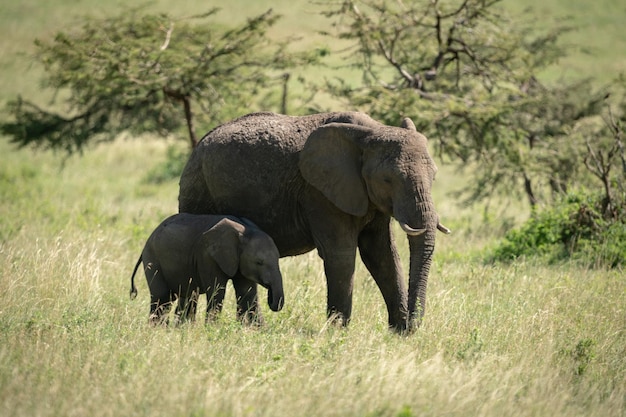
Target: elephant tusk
[[410, 231], [443, 229]]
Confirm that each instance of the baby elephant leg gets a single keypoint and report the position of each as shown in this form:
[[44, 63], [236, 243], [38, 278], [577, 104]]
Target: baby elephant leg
[[160, 295], [214, 300], [160, 306], [248, 311], [187, 305]]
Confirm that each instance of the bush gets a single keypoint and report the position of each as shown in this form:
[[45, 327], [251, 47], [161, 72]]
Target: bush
[[573, 228]]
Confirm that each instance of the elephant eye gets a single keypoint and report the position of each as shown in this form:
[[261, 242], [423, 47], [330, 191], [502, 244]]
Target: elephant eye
[[259, 262]]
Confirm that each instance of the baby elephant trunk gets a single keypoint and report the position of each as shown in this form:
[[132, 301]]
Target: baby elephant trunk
[[275, 294]]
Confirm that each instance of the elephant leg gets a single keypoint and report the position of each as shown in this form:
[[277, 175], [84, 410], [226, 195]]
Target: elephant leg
[[335, 236], [214, 301], [379, 254], [248, 311], [339, 270], [187, 306], [160, 295], [160, 309]]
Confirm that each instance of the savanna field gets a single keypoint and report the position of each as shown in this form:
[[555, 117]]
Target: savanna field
[[526, 338]]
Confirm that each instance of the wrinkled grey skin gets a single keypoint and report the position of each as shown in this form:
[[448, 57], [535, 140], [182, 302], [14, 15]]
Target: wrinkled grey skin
[[329, 181], [189, 254]]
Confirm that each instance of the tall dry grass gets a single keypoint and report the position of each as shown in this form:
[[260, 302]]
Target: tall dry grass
[[522, 339]]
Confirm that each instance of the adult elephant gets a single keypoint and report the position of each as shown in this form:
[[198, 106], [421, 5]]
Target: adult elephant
[[329, 181]]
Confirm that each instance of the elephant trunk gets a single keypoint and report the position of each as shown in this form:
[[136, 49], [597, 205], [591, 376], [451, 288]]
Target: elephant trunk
[[275, 295], [422, 247]]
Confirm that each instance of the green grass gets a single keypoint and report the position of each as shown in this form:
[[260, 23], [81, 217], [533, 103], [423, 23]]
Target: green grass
[[520, 339], [595, 44]]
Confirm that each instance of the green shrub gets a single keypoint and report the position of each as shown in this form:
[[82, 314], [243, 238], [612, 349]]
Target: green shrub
[[574, 228]]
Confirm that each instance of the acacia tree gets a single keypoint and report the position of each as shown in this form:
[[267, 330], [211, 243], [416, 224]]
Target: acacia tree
[[467, 75], [149, 73], [605, 159]]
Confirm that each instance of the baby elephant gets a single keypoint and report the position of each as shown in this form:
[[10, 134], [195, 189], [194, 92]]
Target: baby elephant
[[191, 254]]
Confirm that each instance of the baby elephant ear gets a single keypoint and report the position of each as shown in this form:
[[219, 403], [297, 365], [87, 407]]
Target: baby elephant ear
[[222, 243], [331, 162]]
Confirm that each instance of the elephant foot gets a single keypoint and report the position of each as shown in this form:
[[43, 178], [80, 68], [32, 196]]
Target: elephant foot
[[412, 326], [337, 318], [403, 330], [400, 324], [159, 316], [251, 318], [159, 321], [181, 319]]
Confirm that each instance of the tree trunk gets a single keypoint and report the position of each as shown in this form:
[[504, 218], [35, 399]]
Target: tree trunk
[[283, 104], [189, 118], [529, 191], [186, 100]]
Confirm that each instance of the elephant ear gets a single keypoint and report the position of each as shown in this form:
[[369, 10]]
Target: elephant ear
[[331, 162], [222, 243], [407, 123]]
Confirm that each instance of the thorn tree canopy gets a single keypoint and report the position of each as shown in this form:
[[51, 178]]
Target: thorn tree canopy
[[148, 73], [469, 75]]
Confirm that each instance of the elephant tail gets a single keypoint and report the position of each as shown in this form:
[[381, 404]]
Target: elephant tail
[[133, 289]]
